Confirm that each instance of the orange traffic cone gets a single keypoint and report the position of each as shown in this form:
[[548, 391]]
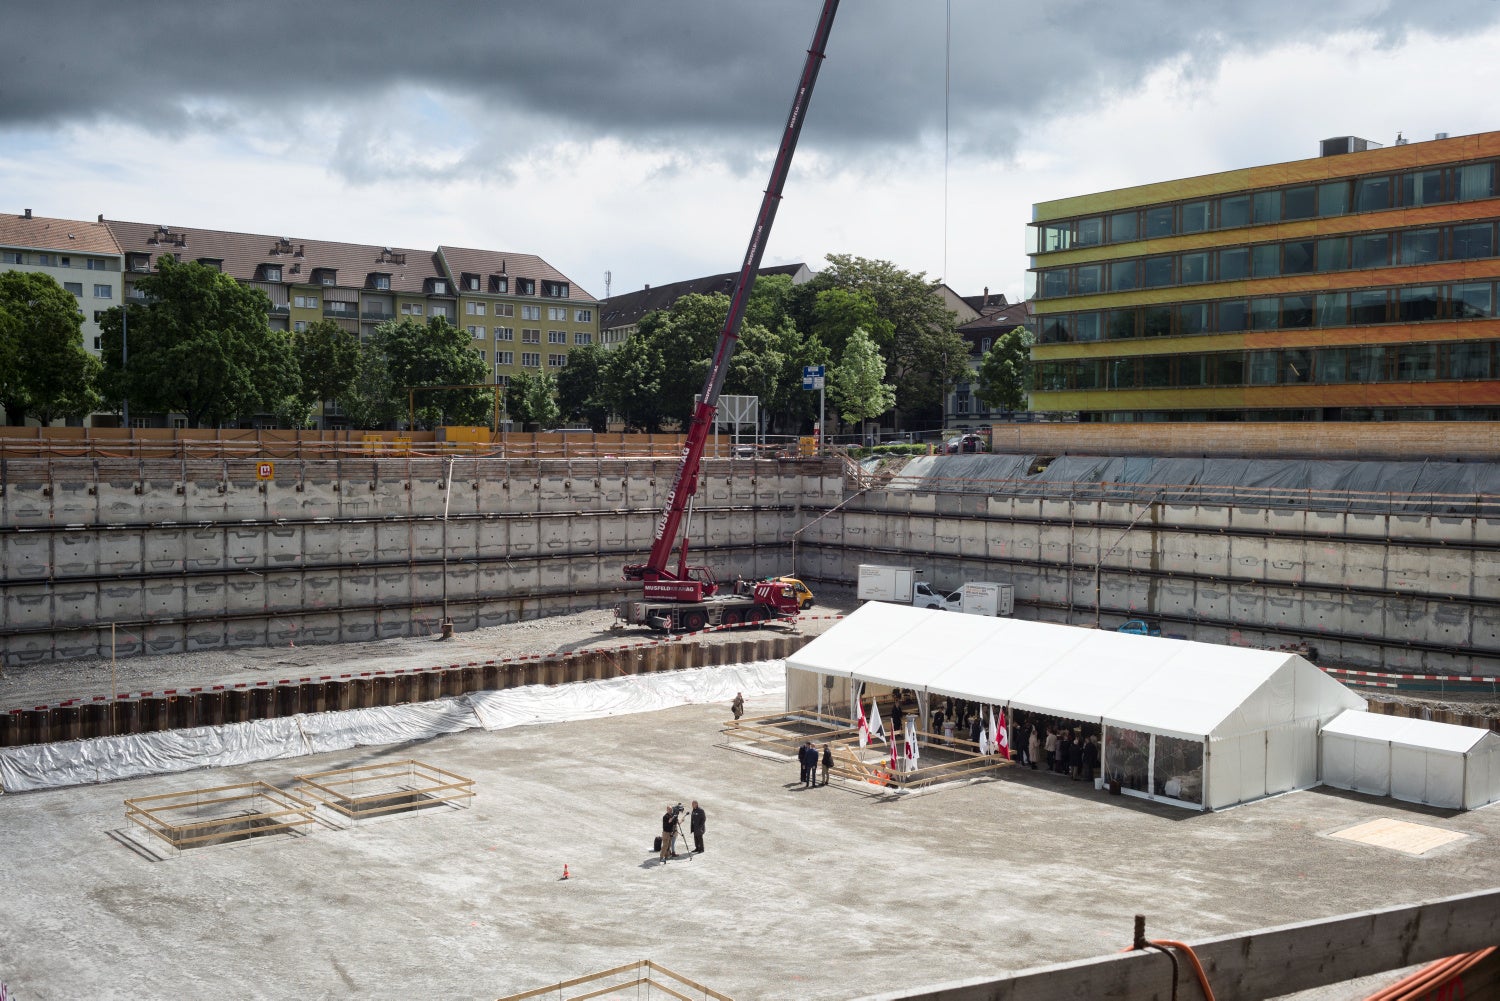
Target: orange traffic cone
[[565, 871]]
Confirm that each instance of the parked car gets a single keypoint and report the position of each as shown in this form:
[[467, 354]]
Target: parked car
[[964, 443]]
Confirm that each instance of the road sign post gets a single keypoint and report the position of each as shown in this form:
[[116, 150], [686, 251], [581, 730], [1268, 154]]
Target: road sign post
[[816, 377]]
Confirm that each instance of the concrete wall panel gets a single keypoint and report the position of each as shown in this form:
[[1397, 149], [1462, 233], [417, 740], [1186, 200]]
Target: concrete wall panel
[[320, 544], [119, 602], [205, 636], [283, 546], [357, 589], [75, 605], [27, 504], [357, 541], [244, 548], [27, 555], [203, 596], [74, 503], [244, 594]]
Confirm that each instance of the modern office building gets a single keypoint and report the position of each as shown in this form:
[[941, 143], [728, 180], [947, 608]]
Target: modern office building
[[80, 256], [1358, 285]]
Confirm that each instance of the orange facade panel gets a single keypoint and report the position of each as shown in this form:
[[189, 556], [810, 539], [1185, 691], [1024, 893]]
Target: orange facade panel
[[1379, 394]]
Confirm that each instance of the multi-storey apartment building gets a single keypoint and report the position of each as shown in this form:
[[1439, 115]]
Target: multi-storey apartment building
[[1357, 285], [82, 257], [523, 314]]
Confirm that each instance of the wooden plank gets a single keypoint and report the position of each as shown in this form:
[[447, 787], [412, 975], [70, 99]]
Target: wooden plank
[[540, 991], [1258, 964]]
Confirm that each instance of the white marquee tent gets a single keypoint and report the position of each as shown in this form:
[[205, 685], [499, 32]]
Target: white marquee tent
[[1196, 724], [1416, 760]]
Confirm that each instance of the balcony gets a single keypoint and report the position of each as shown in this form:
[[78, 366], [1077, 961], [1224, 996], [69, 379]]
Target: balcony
[[376, 316], [280, 309]]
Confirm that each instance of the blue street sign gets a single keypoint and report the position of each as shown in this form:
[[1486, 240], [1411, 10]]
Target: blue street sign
[[812, 376]]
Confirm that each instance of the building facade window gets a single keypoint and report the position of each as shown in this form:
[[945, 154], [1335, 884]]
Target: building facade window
[[505, 357], [505, 309], [411, 309], [531, 336], [504, 334], [582, 338], [438, 311], [104, 292], [474, 308], [75, 287], [557, 337], [583, 316], [305, 301], [556, 313], [475, 331], [531, 312], [531, 359]]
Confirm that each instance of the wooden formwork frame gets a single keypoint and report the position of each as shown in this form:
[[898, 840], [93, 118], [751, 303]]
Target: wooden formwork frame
[[774, 733], [640, 974], [336, 789], [154, 813]]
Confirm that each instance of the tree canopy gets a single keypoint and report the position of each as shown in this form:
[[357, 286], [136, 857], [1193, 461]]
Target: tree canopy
[[199, 346], [857, 382], [532, 399], [580, 387], [1005, 371], [417, 355], [45, 370]]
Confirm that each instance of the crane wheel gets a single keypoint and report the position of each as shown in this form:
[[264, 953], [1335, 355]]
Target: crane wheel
[[693, 621]]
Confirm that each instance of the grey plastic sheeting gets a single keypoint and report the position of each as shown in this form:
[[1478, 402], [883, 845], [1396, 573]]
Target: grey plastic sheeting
[[105, 759], [1337, 484]]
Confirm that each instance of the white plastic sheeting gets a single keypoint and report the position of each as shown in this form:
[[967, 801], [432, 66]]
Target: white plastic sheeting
[[1416, 760], [1256, 713], [105, 759]]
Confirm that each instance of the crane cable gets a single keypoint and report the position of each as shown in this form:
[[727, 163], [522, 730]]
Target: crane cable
[[947, 92]]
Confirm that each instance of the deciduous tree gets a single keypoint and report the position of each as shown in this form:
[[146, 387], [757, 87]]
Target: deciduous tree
[[532, 399], [857, 383], [199, 346], [45, 370], [1005, 371]]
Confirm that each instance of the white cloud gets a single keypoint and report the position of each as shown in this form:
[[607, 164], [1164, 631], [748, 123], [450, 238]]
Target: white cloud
[[655, 215]]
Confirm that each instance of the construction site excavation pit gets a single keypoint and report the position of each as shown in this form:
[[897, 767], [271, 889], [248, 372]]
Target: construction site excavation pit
[[825, 893]]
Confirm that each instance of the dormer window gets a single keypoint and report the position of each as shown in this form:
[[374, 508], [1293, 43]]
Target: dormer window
[[437, 286], [269, 273], [471, 283], [325, 276], [500, 284], [555, 290], [525, 286], [138, 262], [378, 280], [217, 263]]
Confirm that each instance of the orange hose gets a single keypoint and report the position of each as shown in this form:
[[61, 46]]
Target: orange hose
[[1415, 985], [1183, 947]]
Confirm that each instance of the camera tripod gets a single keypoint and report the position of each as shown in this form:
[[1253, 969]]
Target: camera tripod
[[680, 831]]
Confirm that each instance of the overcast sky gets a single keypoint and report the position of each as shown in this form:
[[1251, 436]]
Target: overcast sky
[[635, 136]]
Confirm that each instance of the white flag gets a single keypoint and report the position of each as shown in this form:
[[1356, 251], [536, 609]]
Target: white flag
[[912, 751], [994, 734], [984, 739], [877, 729]]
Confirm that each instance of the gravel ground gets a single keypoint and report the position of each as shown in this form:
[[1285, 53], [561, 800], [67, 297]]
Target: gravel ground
[[44, 684], [27, 685]]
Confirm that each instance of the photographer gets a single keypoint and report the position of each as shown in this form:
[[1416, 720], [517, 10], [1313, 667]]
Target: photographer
[[669, 821]]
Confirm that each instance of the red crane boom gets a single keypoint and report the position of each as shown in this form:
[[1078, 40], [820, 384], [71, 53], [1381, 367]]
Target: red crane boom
[[694, 583]]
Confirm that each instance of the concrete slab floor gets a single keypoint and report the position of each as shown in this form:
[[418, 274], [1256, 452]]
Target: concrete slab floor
[[804, 894]]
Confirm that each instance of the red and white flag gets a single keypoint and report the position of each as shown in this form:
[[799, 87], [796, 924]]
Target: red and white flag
[[1002, 737], [913, 751], [864, 726], [893, 757]]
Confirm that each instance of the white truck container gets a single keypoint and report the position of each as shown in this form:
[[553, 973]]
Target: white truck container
[[982, 597], [881, 583]]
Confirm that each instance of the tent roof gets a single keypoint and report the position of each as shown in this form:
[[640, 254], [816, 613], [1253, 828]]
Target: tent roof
[[1424, 733], [1168, 686]]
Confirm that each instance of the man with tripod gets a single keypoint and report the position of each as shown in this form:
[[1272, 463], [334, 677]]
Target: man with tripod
[[669, 831]]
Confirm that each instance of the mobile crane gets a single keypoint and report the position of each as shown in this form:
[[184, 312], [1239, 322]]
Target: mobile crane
[[687, 598]]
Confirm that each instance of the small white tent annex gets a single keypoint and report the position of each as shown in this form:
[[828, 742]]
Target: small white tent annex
[[1416, 760], [1196, 724]]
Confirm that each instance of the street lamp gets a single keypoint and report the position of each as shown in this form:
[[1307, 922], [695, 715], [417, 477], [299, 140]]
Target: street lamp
[[124, 360]]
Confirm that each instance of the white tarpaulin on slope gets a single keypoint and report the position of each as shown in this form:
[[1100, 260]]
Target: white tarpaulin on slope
[[105, 759], [1416, 760]]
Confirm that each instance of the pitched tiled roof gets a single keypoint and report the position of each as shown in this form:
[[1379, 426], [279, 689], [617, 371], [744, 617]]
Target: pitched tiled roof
[[43, 233], [627, 309], [242, 255], [997, 321], [512, 265], [987, 302]]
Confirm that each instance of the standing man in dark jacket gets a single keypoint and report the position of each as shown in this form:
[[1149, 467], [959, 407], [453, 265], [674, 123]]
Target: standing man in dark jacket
[[698, 821], [668, 832]]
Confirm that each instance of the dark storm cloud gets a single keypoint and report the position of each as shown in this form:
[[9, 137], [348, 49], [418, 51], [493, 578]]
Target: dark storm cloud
[[712, 76]]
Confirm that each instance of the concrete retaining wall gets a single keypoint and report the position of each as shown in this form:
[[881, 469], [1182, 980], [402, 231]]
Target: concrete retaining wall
[[184, 556]]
